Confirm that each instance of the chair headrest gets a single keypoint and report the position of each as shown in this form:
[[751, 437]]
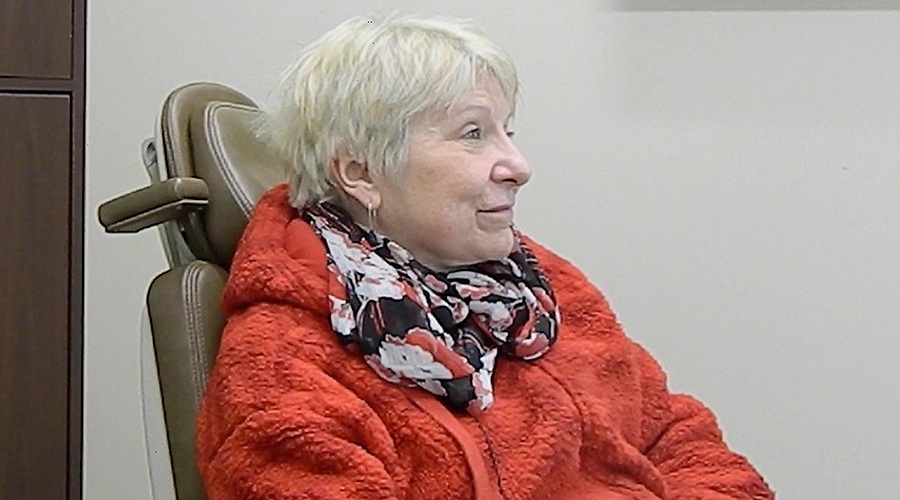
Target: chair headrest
[[207, 131]]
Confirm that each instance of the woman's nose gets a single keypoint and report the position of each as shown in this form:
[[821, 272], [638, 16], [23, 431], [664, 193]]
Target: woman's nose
[[511, 166]]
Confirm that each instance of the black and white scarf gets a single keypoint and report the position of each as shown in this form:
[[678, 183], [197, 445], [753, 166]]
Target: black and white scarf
[[441, 331]]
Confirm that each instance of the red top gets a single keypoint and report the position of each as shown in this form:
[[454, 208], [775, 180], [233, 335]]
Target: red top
[[289, 412]]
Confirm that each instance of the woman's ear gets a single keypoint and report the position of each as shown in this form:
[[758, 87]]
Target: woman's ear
[[356, 181]]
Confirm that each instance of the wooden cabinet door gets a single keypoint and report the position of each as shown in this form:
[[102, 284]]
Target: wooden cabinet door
[[33, 37], [35, 171], [42, 95]]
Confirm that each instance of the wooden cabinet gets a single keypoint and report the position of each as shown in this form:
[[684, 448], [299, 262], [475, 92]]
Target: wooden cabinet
[[36, 38], [42, 85], [34, 286]]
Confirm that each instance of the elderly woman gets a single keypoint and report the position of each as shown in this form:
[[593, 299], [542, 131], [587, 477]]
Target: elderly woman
[[391, 334]]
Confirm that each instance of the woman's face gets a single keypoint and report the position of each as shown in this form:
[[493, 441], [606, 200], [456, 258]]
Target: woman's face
[[452, 205]]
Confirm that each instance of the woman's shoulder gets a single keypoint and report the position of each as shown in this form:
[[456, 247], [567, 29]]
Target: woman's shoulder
[[279, 259]]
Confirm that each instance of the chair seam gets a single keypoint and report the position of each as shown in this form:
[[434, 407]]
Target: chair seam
[[195, 338], [245, 204]]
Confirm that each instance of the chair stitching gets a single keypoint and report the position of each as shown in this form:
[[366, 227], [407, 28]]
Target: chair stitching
[[195, 338], [217, 149]]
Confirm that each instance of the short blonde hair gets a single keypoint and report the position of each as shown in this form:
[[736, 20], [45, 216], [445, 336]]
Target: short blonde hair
[[355, 90]]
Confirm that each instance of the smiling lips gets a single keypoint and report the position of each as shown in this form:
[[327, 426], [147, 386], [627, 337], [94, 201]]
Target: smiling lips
[[499, 209], [501, 215]]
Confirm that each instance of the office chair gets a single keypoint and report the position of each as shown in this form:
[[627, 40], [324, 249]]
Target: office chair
[[207, 170]]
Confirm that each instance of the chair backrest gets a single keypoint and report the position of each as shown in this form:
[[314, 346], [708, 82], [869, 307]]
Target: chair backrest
[[206, 131], [214, 170], [185, 324]]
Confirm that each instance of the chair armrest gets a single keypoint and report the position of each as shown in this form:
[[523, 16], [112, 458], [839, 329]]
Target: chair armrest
[[160, 202]]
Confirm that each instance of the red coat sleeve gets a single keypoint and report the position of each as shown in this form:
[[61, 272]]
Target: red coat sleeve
[[688, 448], [679, 435], [274, 425]]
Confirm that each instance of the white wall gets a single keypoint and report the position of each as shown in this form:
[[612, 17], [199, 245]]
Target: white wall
[[729, 178]]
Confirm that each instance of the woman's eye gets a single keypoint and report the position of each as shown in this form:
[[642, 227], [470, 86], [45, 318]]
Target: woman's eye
[[474, 133], [510, 133]]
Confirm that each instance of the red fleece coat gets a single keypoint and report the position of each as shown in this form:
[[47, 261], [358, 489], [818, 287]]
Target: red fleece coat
[[291, 413]]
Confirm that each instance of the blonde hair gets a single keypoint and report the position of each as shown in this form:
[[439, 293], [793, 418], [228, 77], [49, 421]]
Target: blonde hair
[[356, 89]]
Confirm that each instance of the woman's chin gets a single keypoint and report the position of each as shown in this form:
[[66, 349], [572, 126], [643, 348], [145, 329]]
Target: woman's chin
[[501, 245], [496, 245]]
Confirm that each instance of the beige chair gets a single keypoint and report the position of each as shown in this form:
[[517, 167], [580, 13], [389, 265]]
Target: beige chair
[[207, 171]]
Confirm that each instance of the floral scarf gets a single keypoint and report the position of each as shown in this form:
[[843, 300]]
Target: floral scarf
[[441, 331]]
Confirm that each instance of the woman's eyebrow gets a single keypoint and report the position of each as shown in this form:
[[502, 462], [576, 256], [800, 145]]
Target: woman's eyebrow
[[474, 107], [481, 108]]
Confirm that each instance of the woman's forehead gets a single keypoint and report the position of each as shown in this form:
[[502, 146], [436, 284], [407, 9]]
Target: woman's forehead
[[487, 100]]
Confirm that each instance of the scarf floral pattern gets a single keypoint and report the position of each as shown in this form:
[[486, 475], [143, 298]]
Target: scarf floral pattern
[[441, 331]]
